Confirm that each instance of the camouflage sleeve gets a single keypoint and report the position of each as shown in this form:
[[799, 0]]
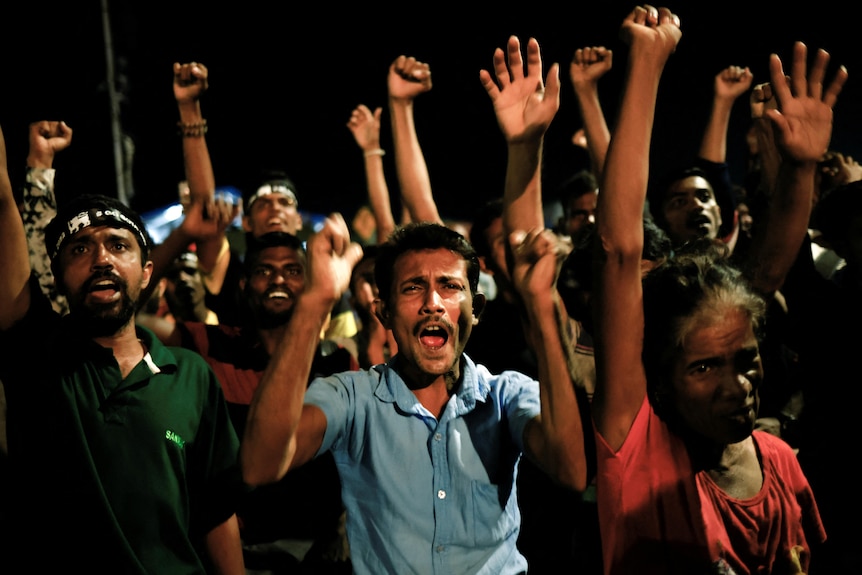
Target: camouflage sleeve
[[38, 207]]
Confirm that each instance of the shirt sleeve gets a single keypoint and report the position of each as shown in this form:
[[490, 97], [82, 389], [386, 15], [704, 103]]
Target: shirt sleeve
[[38, 208]]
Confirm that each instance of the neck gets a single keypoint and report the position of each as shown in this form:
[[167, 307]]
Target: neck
[[128, 349], [270, 337]]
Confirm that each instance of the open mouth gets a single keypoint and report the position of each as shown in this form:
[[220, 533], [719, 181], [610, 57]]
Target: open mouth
[[434, 336], [105, 289], [278, 294]]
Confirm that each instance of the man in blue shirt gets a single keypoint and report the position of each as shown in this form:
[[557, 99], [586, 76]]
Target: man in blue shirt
[[427, 445]]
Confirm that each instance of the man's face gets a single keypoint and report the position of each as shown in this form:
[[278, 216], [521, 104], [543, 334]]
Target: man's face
[[273, 213], [430, 313], [580, 213], [496, 239], [691, 211], [184, 288], [273, 284], [102, 275], [363, 289]]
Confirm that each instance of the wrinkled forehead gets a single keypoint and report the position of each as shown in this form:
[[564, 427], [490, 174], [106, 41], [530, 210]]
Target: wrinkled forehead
[[430, 264]]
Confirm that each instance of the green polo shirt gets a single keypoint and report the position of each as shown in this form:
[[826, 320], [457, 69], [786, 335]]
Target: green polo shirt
[[114, 475]]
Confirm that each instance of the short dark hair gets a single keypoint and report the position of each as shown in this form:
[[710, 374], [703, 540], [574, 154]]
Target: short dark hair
[[422, 236], [482, 219], [658, 188], [578, 184], [255, 245]]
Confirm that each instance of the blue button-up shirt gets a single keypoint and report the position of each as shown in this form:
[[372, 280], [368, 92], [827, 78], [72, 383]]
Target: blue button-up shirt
[[427, 496]]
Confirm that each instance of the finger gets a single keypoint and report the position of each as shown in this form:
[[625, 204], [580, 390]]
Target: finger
[[489, 85], [798, 74], [516, 62], [500, 69], [534, 59], [778, 85], [831, 95]]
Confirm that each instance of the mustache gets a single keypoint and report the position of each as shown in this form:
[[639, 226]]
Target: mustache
[[434, 320]]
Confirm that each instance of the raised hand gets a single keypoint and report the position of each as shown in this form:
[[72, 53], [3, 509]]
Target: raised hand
[[190, 81], [524, 104], [408, 78], [589, 65], [365, 127], [205, 221], [732, 82], [803, 116], [331, 257], [648, 29], [537, 255], [46, 139]]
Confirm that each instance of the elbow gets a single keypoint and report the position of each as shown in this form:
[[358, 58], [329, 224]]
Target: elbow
[[257, 471], [572, 474]]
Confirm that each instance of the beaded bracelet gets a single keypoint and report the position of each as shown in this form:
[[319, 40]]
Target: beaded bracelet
[[377, 152], [193, 130]]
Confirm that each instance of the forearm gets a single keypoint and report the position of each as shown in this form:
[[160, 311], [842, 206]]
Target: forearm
[[522, 194], [775, 247], [224, 548], [378, 195], [14, 254], [595, 128], [38, 208], [559, 448], [196, 157], [269, 443], [713, 145], [410, 165]]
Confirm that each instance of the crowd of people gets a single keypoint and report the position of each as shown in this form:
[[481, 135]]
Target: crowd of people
[[651, 380]]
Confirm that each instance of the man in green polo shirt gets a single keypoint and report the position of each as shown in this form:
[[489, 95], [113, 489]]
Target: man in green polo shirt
[[122, 454]]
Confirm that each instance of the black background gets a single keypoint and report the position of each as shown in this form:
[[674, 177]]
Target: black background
[[284, 78]]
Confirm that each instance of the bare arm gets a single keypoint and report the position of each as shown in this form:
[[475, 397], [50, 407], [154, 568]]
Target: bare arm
[[191, 80], [555, 439], [365, 127], [524, 106], [730, 84], [587, 67], [802, 123], [281, 432], [652, 36], [224, 548], [14, 254], [407, 79]]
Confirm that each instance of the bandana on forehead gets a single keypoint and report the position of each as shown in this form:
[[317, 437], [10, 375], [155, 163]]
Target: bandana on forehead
[[97, 217], [273, 188]]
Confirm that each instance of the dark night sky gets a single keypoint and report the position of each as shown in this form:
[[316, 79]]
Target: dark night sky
[[284, 79]]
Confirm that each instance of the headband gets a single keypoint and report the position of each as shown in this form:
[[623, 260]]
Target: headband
[[97, 217]]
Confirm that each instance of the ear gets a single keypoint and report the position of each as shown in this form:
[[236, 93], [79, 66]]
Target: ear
[[381, 310], [479, 302], [147, 274], [246, 223], [483, 265]]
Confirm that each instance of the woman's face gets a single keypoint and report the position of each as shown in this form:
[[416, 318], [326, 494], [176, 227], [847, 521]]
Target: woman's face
[[716, 375]]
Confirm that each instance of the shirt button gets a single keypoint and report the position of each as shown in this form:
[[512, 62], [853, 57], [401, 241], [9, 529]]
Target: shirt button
[[437, 437], [441, 494], [439, 549]]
